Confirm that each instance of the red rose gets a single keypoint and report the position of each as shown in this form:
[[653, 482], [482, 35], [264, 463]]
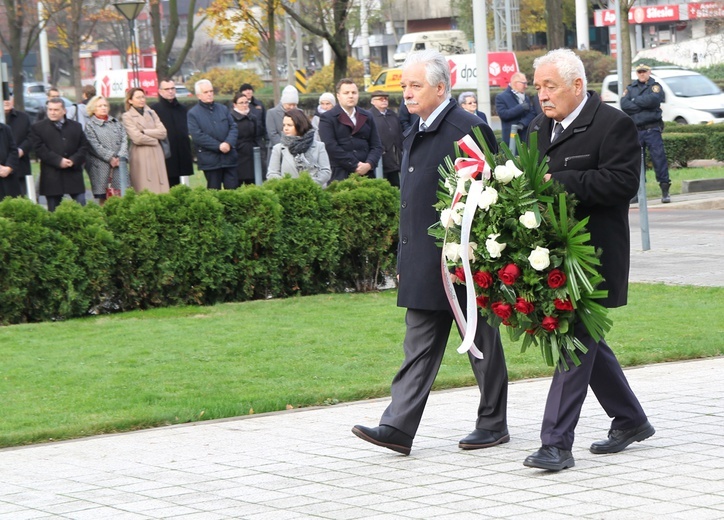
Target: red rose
[[530, 331], [524, 307], [563, 305], [501, 309], [549, 323], [509, 274], [460, 273], [556, 279], [483, 278], [482, 300]]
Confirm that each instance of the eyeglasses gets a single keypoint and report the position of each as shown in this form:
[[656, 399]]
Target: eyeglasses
[[169, 88], [471, 103]]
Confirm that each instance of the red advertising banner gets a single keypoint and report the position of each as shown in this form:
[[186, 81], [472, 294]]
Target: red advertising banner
[[639, 15], [698, 10]]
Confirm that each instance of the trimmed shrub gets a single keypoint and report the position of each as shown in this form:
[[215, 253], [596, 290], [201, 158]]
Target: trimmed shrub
[[716, 146], [252, 219], [366, 211], [682, 148], [306, 249]]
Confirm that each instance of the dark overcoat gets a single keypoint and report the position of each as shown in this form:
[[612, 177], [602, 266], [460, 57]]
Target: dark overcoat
[[597, 158], [349, 144], [173, 116], [418, 256], [513, 112], [20, 124], [211, 124], [10, 185], [390, 131], [52, 144], [249, 135]]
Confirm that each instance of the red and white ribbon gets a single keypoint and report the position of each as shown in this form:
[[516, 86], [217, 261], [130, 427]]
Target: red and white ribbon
[[469, 167]]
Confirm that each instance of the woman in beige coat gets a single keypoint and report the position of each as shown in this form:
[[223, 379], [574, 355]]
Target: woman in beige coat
[[144, 128]]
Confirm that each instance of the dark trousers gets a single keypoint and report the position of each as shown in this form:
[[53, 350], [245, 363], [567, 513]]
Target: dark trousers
[[651, 139], [600, 369], [225, 176], [54, 200], [174, 181], [424, 345], [393, 178]]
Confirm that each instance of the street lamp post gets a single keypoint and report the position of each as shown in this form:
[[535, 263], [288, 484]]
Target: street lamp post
[[130, 9]]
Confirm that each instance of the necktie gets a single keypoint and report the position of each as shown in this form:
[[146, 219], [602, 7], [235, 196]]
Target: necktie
[[557, 130], [423, 127]]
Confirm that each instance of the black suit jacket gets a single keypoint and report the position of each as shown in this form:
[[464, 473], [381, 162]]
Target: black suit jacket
[[51, 145], [347, 144], [20, 123], [418, 256], [173, 116], [597, 158]]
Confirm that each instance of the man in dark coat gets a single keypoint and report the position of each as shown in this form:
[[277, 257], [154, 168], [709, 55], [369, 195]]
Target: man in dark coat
[[429, 315], [61, 146], [214, 132], [173, 116], [350, 135], [9, 164], [593, 151], [388, 126], [20, 124], [515, 107]]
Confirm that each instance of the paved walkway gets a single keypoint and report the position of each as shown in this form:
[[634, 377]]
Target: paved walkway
[[306, 464]]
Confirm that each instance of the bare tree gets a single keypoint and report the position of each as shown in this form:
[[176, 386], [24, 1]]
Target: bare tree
[[164, 39], [203, 55]]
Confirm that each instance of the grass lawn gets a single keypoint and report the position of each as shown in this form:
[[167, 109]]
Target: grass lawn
[[680, 174], [165, 366]]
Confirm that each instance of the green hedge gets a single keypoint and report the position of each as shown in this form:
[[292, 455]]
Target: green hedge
[[684, 147], [197, 246]]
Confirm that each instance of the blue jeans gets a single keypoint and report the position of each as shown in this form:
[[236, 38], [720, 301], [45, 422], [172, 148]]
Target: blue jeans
[[651, 139]]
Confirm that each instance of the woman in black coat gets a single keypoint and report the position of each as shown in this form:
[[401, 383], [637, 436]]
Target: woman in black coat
[[249, 136]]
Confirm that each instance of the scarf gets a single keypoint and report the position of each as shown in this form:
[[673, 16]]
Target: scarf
[[298, 145]]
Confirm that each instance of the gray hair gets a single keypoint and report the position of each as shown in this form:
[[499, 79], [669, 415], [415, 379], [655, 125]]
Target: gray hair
[[465, 95], [199, 83], [568, 65], [436, 68]]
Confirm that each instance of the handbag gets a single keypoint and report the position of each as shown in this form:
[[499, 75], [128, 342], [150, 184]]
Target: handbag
[[110, 190], [166, 147]]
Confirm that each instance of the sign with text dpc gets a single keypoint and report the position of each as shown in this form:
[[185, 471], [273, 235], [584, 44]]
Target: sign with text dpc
[[115, 83]]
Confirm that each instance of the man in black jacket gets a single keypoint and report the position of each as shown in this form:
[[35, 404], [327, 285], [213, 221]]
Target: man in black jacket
[[642, 101], [9, 170], [426, 91], [350, 135], [173, 116], [388, 126], [593, 152], [19, 122], [61, 146]]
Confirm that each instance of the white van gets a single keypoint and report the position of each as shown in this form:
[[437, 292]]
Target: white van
[[446, 42], [690, 97]]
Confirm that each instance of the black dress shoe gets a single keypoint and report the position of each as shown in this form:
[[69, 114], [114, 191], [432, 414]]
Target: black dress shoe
[[619, 439], [483, 439], [385, 436], [550, 458]]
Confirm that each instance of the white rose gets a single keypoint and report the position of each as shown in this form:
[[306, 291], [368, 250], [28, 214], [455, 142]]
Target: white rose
[[503, 174], [449, 186], [451, 250], [446, 217], [494, 248], [472, 247], [539, 258], [488, 197], [513, 168], [529, 220]]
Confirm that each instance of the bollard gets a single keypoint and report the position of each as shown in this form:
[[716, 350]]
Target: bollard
[[257, 166], [379, 172], [30, 183], [513, 132], [643, 207], [123, 172], [185, 180]]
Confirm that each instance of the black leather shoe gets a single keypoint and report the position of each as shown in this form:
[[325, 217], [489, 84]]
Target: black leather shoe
[[483, 439], [619, 439], [385, 436], [550, 458]]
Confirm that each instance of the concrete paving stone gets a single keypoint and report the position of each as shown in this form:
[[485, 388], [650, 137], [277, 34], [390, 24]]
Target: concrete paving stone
[[26, 514], [201, 515], [104, 512]]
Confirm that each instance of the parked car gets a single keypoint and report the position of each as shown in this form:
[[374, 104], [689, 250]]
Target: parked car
[[182, 91], [690, 97], [34, 103], [31, 88]]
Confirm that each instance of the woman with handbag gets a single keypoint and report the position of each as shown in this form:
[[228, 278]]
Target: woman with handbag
[[298, 151], [108, 146], [144, 128]]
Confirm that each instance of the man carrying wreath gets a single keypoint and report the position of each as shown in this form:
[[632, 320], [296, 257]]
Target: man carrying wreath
[[594, 153], [440, 124]]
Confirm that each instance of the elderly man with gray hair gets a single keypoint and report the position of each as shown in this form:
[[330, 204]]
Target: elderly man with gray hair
[[214, 133], [426, 91]]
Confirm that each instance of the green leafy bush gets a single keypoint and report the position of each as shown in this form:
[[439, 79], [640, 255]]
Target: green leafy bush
[[225, 80], [306, 249], [684, 147], [366, 211]]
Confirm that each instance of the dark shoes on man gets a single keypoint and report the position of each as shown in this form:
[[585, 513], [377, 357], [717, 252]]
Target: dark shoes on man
[[550, 458], [483, 439], [385, 436], [618, 440], [395, 440]]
